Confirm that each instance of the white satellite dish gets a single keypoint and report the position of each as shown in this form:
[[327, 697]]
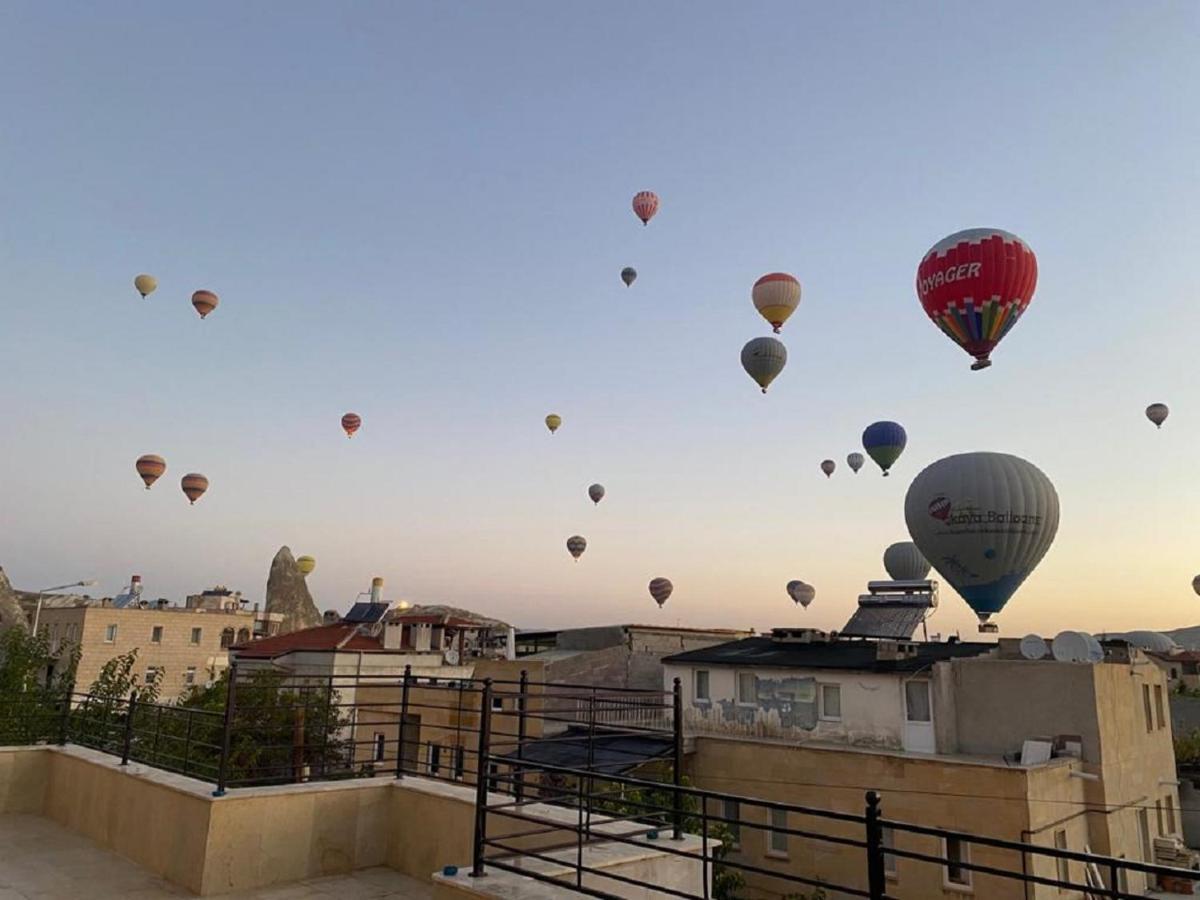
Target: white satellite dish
[[1033, 647], [1071, 646], [1095, 651], [451, 657]]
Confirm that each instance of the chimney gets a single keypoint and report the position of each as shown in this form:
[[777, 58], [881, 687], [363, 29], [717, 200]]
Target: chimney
[[392, 634], [510, 650], [376, 590]]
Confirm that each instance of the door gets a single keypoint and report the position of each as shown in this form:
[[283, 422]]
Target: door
[[918, 717]]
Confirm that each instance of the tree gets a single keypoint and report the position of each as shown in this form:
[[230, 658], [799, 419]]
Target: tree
[[35, 683], [99, 721]]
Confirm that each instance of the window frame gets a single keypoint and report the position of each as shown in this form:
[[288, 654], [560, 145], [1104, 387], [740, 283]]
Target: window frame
[[189, 676], [753, 703], [156, 634], [433, 759], [732, 811], [1169, 801], [497, 703], [197, 635], [706, 697], [1147, 708], [964, 856], [928, 688], [1158, 707], [773, 832], [887, 838], [110, 633], [380, 746], [822, 715]]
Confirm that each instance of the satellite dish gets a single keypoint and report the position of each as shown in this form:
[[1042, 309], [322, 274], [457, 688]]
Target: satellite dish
[[451, 657], [1095, 651], [1033, 647], [1071, 646]]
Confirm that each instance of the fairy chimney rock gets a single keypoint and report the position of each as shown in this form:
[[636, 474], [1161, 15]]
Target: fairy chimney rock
[[287, 593], [10, 608]]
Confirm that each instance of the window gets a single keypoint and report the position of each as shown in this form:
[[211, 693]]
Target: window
[[777, 839], [196, 632], [1170, 804], [889, 859], [957, 858], [189, 675], [1158, 706], [702, 686], [380, 744], [1158, 814], [1146, 707], [226, 638], [460, 756], [1063, 866], [831, 702], [153, 673], [110, 634], [1144, 834], [747, 689], [497, 704], [156, 634], [243, 635], [916, 701], [493, 780], [435, 758], [732, 812]]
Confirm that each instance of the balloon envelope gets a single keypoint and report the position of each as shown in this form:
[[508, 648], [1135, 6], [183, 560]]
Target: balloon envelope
[[660, 590], [1157, 413], [904, 562], [801, 593], [855, 461], [576, 544], [645, 205], [205, 302], [351, 422], [776, 297], [596, 492], [827, 466], [145, 284], [884, 442], [629, 275], [150, 467], [194, 485], [763, 358], [974, 285], [305, 564], [553, 421], [1196, 584], [984, 520]]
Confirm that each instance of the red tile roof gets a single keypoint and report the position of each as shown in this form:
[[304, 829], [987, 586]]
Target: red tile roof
[[338, 636]]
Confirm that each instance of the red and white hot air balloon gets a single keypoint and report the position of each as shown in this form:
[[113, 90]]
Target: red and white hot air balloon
[[645, 205], [351, 422], [975, 284], [776, 297]]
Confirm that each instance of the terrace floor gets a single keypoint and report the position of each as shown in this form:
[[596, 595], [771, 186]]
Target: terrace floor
[[41, 860]]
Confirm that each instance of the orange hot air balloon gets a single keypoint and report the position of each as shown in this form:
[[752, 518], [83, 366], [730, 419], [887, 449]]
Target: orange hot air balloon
[[645, 205], [351, 422], [194, 485], [205, 302], [150, 467]]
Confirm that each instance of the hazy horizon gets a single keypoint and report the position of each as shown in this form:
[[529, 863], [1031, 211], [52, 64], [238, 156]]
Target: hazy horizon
[[420, 214]]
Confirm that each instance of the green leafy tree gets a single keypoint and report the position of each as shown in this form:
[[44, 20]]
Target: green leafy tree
[[99, 721], [35, 683]]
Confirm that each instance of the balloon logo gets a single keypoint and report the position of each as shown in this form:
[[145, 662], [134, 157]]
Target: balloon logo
[[984, 520], [884, 442], [205, 302], [660, 590], [351, 422], [150, 467], [776, 297], [145, 285], [645, 205], [194, 485], [1157, 413], [855, 461], [553, 421], [827, 466], [629, 275], [974, 285], [763, 358], [576, 544]]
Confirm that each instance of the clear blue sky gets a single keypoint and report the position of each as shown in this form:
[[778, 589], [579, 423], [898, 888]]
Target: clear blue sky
[[419, 212]]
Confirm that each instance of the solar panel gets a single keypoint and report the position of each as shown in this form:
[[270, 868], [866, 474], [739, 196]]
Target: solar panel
[[365, 613], [884, 621]]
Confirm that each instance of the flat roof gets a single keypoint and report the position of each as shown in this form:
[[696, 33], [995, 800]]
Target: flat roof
[[836, 654]]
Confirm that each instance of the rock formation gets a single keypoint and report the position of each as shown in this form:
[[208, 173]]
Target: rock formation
[[10, 608], [288, 594]]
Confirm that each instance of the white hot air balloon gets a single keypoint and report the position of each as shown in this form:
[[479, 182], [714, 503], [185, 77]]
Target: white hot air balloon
[[776, 297], [1157, 413], [763, 358], [855, 461], [984, 521], [904, 562], [801, 593]]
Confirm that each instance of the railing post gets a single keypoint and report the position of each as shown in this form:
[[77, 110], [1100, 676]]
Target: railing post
[[227, 731], [403, 719], [65, 728], [187, 741], [481, 778], [1113, 889], [591, 762], [876, 880], [130, 710], [677, 703], [522, 690]]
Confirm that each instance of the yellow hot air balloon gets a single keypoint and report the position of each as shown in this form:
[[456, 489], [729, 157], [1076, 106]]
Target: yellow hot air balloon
[[145, 284], [305, 564], [776, 297], [553, 421]]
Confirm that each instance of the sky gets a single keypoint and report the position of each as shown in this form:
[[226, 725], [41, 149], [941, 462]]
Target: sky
[[419, 212]]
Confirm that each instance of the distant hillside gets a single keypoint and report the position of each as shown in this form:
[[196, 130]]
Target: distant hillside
[[1186, 637]]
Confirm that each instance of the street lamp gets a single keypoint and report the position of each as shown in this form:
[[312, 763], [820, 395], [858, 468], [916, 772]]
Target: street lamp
[[37, 614]]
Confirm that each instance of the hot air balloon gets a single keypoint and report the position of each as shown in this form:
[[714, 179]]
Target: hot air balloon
[[984, 520], [904, 562], [776, 297], [763, 358], [1157, 413], [645, 205], [827, 466], [1196, 584], [884, 442], [660, 590], [553, 421], [596, 492], [801, 593], [305, 564], [145, 284], [150, 467], [855, 461], [351, 422], [205, 302], [194, 485], [974, 285], [576, 544], [629, 275]]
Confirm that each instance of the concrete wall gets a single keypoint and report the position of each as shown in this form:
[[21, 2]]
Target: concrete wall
[[23, 779]]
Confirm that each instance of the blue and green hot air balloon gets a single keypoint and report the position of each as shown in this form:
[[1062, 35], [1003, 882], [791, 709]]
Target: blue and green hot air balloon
[[884, 442]]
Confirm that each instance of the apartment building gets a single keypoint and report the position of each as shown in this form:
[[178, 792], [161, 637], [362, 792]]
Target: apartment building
[[963, 736]]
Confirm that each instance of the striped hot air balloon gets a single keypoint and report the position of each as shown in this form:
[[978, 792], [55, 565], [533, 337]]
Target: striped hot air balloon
[[553, 421], [904, 562], [576, 544], [305, 564], [776, 297], [645, 205], [194, 485], [660, 590], [763, 358], [974, 285], [855, 461], [351, 422], [145, 284], [205, 302], [150, 467]]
